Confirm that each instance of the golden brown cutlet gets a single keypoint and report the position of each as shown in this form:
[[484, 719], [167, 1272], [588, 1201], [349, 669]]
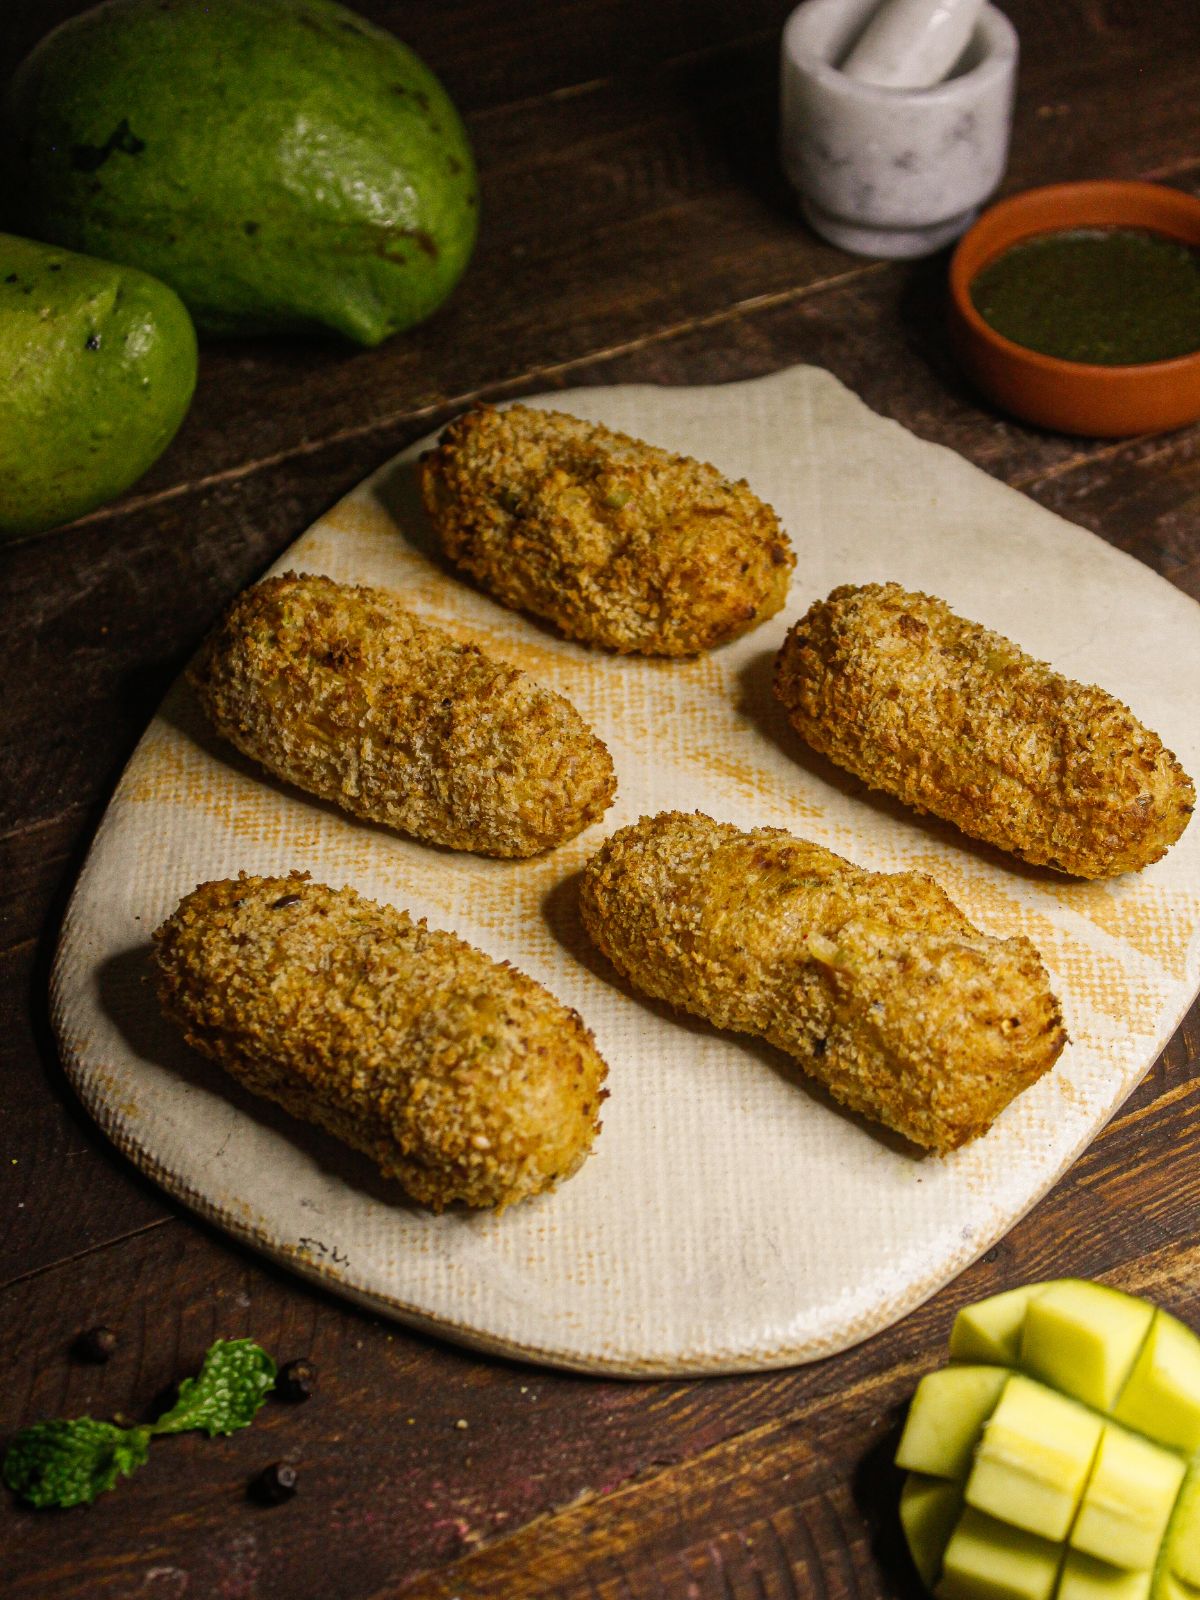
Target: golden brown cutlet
[[616, 542], [344, 693], [954, 719], [458, 1075], [875, 982]]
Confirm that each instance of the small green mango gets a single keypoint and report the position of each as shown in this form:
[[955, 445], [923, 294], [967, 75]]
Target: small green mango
[[99, 365], [283, 164]]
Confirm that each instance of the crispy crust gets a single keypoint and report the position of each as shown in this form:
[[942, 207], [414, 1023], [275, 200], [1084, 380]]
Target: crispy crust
[[956, 720], [616, 542], [342, 692], [458, 1075], [875, 982]]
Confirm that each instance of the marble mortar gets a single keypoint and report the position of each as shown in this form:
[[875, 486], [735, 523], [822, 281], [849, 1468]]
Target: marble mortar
[[892, 172]]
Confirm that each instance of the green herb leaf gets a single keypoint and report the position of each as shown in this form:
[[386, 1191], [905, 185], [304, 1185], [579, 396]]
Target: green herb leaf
[[233, 1382], [70, 1463]]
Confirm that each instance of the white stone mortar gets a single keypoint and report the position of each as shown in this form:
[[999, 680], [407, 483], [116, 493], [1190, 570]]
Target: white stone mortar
[[892, 172]]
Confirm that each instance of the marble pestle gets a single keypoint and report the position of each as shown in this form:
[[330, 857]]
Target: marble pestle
[[912, 44]]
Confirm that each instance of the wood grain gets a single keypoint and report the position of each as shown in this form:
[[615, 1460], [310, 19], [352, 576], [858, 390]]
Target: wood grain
[[635, 230], [558, 1485]]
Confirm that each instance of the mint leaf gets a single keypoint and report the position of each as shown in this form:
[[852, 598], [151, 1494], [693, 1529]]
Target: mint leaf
[[233, 1382], [70, 1463]]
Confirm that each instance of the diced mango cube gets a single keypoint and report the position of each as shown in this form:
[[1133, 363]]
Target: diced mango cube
[[1128, 1500], [1084, 1338], [1058, 1456], [1033, 1459], [1162, 1394], [988, 1560], [990, 1330], [1183, 1537], [946, 1418], [1085, 1578], [929, 1508], [1168, 1587]]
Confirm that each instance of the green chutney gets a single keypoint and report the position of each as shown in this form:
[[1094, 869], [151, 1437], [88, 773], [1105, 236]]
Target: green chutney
[[1108, 296]]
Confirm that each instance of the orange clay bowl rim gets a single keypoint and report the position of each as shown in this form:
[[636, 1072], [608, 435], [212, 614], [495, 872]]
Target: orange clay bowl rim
[[1053, 209]]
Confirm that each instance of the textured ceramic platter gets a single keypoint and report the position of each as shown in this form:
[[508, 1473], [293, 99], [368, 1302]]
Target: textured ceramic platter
[[730, 1218]]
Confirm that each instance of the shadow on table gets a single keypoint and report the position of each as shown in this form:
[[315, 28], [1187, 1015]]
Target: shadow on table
[[399, 492], [876, 1489], [735, 98]]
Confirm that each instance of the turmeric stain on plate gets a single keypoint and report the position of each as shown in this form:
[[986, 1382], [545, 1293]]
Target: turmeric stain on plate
[[1084, 973], [752, 781], [985, 902], [1155, 923]]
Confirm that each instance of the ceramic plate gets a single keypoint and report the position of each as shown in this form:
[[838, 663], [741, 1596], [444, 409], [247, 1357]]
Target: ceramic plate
[[731, 1217]]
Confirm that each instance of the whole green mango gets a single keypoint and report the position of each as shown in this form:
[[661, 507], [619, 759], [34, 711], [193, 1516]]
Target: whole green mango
[[97, 367], [282, 164]]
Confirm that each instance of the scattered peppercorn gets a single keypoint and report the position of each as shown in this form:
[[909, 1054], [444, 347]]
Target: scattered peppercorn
[[274, 1484], [97, 1344], [296, 1380]]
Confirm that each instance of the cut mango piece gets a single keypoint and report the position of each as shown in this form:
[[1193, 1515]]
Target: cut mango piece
[[988, 1560], [1058, 1456], [1085, 1578], [1034, 1458], [946, 1418], [1128, 1500], [1169, 1587], [1162, 1394], [1183, 1537], [929, 1508], [990, 1330], [1084, 1338]]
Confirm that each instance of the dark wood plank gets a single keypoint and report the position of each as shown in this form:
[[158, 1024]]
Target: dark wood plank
[[1143, 496], [486, 54], [63, 1190], [677, 210], [118, 620], [489, 54], [683, 262], [633, 149], [559, 1485]]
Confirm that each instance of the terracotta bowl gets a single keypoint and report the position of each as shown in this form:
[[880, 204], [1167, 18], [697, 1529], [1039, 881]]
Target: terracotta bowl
[[1074, 396]]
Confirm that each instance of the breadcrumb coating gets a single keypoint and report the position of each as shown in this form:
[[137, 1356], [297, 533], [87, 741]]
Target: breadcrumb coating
[[954, 719], [458, 1075], [616, 542], [875, 982], [344, 693]]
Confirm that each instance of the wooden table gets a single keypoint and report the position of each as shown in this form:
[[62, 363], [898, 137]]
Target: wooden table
[[636, 228]]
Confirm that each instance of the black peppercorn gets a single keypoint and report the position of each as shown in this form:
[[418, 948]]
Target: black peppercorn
[[97, 1344], [274, 1484], [296, 1380]]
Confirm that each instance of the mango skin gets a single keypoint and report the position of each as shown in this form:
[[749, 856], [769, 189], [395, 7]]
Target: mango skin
[[99, 365], [283, 164]]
